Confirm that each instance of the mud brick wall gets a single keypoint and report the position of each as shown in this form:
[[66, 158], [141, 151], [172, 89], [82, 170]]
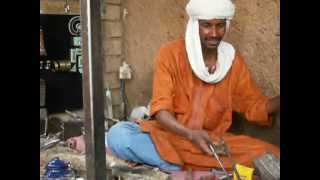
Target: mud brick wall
[[134, 30]]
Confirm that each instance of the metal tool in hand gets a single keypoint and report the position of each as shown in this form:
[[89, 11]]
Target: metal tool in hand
[[215, 154], [227, 151]]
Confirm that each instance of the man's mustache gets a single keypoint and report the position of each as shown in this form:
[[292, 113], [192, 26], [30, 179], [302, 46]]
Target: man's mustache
[[213, 39]]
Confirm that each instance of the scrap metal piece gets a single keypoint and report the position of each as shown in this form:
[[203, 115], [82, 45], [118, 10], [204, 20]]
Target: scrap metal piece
[[47, 143], [268, 166]]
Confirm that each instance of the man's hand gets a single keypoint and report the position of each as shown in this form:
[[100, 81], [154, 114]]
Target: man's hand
[[273, 105], [201, 139]]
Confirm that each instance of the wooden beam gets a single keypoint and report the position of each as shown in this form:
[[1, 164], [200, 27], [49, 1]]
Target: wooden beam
[[93, 96], [57, 7]]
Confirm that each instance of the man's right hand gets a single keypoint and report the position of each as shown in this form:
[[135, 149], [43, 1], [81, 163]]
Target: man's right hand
[[198, 137], [201, 139]]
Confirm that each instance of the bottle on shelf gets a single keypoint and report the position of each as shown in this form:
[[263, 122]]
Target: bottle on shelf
[[43, 52]]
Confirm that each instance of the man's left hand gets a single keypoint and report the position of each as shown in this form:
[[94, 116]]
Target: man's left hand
[[273, 105]]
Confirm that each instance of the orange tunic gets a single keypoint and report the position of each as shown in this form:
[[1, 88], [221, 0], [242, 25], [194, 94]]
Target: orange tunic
[[199, 105]]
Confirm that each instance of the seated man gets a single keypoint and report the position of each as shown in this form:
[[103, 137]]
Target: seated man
[[198, 82]]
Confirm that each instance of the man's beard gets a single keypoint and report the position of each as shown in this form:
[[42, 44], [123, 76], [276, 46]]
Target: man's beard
[[212, 42]]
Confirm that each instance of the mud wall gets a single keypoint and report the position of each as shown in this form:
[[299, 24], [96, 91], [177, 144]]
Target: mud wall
[[255, 32], [148, 24]]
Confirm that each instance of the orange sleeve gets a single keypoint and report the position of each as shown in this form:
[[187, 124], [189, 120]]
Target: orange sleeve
[[162, 92], [247, 97]]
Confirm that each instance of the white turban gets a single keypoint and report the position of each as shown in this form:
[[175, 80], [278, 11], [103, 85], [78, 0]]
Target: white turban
[[207, 10]]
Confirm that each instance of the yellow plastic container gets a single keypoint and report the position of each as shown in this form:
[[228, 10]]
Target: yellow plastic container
[[245, 173]]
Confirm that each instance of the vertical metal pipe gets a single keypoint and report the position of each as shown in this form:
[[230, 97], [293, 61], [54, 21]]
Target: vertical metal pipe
[[93, 97]]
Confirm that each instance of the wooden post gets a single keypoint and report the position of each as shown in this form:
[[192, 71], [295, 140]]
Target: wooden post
[[93, 96]]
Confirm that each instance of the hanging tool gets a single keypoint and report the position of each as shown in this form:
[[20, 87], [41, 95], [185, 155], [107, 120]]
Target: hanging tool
[[124, 74], [67, 7]]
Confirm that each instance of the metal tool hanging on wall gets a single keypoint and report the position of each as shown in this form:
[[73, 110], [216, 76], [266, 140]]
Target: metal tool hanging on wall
[[61, 66], [67, 7], [74, 27], [124, 74], [43, 51]]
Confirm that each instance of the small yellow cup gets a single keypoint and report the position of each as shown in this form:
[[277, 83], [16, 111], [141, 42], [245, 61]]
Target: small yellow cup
[[245, 173]]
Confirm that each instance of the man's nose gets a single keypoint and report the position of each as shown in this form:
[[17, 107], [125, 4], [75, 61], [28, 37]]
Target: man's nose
[[213, 31]]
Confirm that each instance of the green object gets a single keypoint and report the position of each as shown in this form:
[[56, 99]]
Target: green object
[[74, 54], [80, 65], [80, 61], [77, 41]]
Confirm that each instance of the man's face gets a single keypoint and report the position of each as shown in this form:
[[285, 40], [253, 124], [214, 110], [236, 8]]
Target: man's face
[[211, 32]]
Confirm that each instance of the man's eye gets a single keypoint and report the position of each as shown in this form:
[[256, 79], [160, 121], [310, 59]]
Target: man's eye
[[221, 25], [206, 25]]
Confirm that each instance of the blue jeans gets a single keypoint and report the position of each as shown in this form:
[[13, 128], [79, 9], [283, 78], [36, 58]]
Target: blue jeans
[[127, 142]]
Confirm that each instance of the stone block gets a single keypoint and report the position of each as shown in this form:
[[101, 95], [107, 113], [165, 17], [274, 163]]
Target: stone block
[[111, 80], [112, 46], [112, 29], [112, 63], [112, 12], [113, 1]]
